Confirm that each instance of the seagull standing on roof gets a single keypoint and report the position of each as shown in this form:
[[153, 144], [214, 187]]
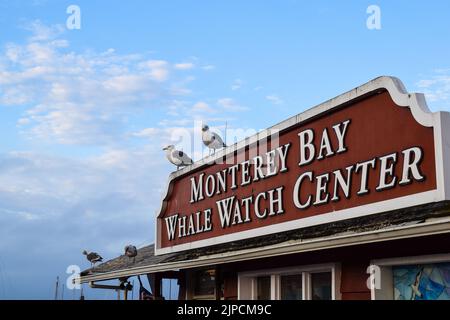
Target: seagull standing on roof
[[131, 252], [178, 158], [93, 257], [211, 139]]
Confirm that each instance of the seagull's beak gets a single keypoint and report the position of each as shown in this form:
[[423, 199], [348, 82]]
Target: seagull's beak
[[165, 148]]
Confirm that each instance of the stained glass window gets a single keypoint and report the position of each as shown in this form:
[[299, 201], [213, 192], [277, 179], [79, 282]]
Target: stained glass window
[[422, 282]]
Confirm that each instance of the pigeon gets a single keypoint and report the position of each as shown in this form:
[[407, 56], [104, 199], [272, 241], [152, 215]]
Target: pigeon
[[131, 252], [178, 158], [211, 139], [93, 257]]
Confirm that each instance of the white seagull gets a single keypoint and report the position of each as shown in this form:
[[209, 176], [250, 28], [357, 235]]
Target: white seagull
[[211, 139], [178, 158]]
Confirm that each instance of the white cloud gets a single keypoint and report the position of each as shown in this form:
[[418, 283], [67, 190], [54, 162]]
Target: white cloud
[[157, 69], [237, 84], [229, 104], [42, 32], [208, 67], [437, 88], [84, 201], [274, 99], [147, 133], [184, 66], [81, 97], [176, 122], [202, 107]]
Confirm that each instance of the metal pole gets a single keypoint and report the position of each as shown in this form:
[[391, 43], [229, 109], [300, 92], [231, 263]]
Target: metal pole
[[56, 288], [226, 127]]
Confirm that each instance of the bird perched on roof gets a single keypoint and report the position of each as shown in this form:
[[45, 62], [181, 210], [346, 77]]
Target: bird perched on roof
[[178, 158], [93, 257], [131, 252], [211, 139]]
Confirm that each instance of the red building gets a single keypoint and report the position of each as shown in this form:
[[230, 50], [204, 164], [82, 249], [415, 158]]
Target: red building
[[347, 200]]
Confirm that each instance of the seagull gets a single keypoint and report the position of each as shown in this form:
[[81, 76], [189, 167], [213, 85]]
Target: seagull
[[131, 252], [211, 139], [178, 158], [93, 257]]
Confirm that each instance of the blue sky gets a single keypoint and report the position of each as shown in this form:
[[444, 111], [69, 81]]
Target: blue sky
[[84, 113]]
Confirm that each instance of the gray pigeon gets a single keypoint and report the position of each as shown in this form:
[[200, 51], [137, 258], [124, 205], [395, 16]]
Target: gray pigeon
[[211, 139], [178, 158], [93, 257]]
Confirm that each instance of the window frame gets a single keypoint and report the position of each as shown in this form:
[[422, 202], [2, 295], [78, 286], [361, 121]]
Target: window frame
[[191, 283], [247, 280]]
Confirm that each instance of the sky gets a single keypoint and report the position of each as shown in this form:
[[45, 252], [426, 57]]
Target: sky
[[86, 111]]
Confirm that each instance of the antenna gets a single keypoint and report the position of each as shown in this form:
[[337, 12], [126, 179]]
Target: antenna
[[226, 126], [56, 288]]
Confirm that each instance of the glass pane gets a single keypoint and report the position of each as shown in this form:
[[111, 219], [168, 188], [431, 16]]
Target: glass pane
[[263, 288], [321, 286], [422, 282], [205, 282], [291, 287]]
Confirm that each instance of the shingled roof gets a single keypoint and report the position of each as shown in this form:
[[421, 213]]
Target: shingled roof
[[407, 216]]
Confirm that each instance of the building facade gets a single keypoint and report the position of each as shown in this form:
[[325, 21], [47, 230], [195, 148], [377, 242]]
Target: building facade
[[347, 200]]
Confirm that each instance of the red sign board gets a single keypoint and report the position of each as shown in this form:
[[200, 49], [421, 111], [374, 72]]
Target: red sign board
[[370, 150]]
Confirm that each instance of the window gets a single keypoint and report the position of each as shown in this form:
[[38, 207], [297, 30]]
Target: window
[[263, 287], [422, 282], [298, 283], [412, 278], [321, 286], [205, 283], [291, 287]]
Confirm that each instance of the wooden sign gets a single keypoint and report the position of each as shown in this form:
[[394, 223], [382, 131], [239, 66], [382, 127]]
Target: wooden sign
[[370, 150]]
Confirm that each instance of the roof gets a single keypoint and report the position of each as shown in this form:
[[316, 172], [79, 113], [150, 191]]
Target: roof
[[407, 218]]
